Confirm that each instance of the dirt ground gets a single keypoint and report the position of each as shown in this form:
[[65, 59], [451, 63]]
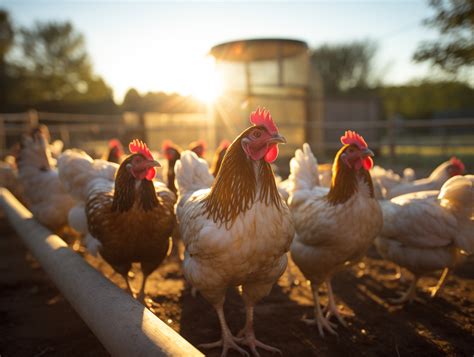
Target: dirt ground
[[35, 320]]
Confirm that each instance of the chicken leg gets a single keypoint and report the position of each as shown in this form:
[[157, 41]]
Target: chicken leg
[[228, 341], [319, 319], [435, 289], [247, 335], [332, 307], [409, 295]]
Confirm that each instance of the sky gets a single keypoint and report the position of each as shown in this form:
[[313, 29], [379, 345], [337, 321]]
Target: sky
[[162, 45]]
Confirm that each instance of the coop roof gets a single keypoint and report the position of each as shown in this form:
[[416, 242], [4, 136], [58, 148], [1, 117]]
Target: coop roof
[[258, 49]]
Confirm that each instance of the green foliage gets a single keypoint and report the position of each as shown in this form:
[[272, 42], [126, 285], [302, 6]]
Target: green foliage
[[51, 66], [420, 101], [455, 47], [345, 67]]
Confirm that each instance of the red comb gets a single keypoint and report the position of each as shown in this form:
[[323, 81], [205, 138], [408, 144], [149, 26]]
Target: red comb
[[263, 117], [224, 144], [167, 144], [456, 162], [351, 137], [115, 143], [139, 147]]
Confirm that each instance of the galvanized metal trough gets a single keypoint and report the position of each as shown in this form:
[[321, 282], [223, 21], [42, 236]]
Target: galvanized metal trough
[[123, 325]]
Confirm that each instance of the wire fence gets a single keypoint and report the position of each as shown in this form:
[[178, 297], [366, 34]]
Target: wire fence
[[389, 138]]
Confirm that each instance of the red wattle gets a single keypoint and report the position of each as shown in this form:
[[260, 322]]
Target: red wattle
[[272, 153], [368, 163], [150, 175]]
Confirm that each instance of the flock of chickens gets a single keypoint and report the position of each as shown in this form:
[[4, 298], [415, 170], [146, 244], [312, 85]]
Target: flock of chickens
[[239, 224]]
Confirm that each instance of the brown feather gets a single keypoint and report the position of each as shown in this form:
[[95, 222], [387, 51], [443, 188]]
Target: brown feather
[[344, 180], [235, 186], [133, 224]]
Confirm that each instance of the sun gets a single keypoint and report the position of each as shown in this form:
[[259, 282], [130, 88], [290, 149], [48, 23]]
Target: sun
[[206, 85]]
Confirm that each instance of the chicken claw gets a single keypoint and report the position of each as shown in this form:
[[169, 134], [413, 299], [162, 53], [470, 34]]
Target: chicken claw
[[227, 342], [409, 296], [322, 324]]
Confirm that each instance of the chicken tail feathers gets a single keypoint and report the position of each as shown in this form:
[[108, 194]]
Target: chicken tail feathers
[[77, 169], [304, 173], [192, 174]]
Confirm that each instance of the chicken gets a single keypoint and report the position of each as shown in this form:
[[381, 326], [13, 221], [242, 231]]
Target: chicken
[[429, 230], [9, 177], [43, 192], [385, 180], [115, 151], [219, 156], [437, 178], [172, 153], [129, 220], [322, 174], [238, 231], [198, 147], [336, 226]]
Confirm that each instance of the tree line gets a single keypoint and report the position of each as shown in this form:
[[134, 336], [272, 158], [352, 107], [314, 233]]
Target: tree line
[[47, 67]]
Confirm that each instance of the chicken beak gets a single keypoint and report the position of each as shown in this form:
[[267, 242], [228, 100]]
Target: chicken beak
[[152, 163], [367, 152], [277, 139]]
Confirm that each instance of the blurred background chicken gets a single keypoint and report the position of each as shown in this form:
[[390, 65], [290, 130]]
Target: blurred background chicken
[[219, 156], [198, 147], [115, 151], [128, 220], [172, 153], [43, 192], [428, 231], [9, 177], [437, 178], [237, 232], [333, 229]]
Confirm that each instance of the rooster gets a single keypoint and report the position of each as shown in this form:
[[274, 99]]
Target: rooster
[[42, 190], [238, 231], [335, 226], [128, 220], [429, 230], [438, 177]]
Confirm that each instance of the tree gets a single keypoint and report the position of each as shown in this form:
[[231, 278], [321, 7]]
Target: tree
[[56, 66], [345, 67], [424, 99], [455, 47]]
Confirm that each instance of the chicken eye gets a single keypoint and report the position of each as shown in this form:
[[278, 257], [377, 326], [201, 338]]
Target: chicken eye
[[257, 134]]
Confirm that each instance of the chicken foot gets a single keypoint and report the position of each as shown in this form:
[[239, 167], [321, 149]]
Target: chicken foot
[[331, 308], [319, 319], [228, 341], [247, 335]]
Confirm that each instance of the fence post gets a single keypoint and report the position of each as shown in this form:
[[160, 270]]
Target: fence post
[[3, 137], [391, 134], [33, 118], [64, 135]]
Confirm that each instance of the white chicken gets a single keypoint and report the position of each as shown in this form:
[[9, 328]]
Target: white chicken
[[437, 178], [428, 231], [238, 231], [336, 226], [43, 192]]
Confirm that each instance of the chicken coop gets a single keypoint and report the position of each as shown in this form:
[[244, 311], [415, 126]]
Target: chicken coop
[[274, 73]]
